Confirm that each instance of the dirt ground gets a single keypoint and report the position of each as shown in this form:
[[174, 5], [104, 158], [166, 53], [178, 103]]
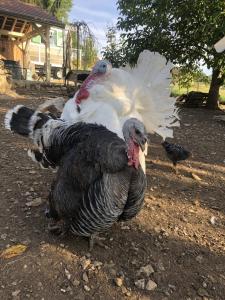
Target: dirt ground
[[179, 235]]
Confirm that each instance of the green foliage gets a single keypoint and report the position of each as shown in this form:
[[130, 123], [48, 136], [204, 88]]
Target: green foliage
[[184, 77], [184, 31], [90, 53], [114, 50], [59, 8]]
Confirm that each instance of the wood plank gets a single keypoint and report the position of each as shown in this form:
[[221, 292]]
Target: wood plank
[[47, 54], [40, 30], [3, 24], [14, 24], [11, 33], [23, 26]]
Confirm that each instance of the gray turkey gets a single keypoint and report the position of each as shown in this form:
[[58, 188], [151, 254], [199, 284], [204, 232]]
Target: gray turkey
[[99, 179]]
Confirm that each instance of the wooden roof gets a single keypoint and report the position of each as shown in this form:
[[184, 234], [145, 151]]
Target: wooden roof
[[24, 12]]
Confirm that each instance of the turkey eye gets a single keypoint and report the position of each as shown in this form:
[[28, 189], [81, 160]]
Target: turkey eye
[[137, 131]]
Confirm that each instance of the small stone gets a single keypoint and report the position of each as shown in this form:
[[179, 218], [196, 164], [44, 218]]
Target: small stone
[[125, 227], [26, 242], [118, 281], [140, 284], [202, 292], [32, 172], [86, 288], [85, 263], [85, 277], [125, 291], [161, 266], [68, 275], [112, 271], [172, 287], [76, 282], [147, 270], [199, 259], [15, 293], [213, 220], [35, 202], [97, 264], [3, 236], [151, 285]]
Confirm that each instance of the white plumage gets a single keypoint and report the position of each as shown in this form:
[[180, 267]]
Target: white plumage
[[142, 92]]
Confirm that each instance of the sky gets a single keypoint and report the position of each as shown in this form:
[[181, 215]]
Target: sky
[[98, 14]]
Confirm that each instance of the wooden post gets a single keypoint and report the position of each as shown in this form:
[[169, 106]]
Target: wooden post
[[47, 54], [78, 46]]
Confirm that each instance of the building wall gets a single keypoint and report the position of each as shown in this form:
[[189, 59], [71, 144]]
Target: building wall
[[36, 49], [37, 55], [9, 51]]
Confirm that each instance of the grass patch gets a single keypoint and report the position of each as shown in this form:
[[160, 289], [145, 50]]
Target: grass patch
[[199, 87]]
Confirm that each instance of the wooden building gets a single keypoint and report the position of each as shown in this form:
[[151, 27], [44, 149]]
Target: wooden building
[[19, 23]]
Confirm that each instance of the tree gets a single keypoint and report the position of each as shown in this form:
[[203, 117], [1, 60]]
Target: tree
[[89, 57], [59, 8], [114, 48], [182, 30]]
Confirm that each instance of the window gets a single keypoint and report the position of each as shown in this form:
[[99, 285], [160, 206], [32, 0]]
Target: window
[[53, 38], [59, 38], [36, 39]]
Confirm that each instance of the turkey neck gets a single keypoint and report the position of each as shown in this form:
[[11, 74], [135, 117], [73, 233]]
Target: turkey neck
[[83, 93], [133, 154]]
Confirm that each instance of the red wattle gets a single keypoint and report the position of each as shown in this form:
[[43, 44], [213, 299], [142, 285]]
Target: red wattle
[[83, 92], [133, 154]]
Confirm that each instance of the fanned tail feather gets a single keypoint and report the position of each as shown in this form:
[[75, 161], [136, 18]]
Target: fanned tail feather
[[18, 120], [36, 125], [157, 108]]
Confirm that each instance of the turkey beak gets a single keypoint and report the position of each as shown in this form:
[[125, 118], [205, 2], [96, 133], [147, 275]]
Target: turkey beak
[[142, 142]]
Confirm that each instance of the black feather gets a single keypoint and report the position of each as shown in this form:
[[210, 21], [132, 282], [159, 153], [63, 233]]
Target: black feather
[[94, 186], [175, 152], [19, 122]]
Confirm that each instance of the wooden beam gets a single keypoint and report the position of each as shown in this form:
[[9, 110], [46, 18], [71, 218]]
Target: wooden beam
[[11, 33], [47, 54], [30, 35], [3, 24], [17, 45], [14, 24], [41, 30], [23, 26]]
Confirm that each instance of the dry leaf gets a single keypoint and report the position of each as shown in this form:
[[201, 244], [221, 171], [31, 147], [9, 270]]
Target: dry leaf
[[196, 177], [13, 251]]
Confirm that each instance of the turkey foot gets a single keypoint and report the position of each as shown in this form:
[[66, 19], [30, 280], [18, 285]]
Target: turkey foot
[[174, 167], [95, 239], [58, 228]]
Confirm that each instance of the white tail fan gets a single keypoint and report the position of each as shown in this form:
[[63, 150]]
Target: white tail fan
[[142, 92]]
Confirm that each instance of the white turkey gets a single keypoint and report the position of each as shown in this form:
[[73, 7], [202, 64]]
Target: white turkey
[[99, 179], [110, 96]]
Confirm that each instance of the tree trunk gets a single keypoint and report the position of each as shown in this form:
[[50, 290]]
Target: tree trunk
[[213, 98]]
